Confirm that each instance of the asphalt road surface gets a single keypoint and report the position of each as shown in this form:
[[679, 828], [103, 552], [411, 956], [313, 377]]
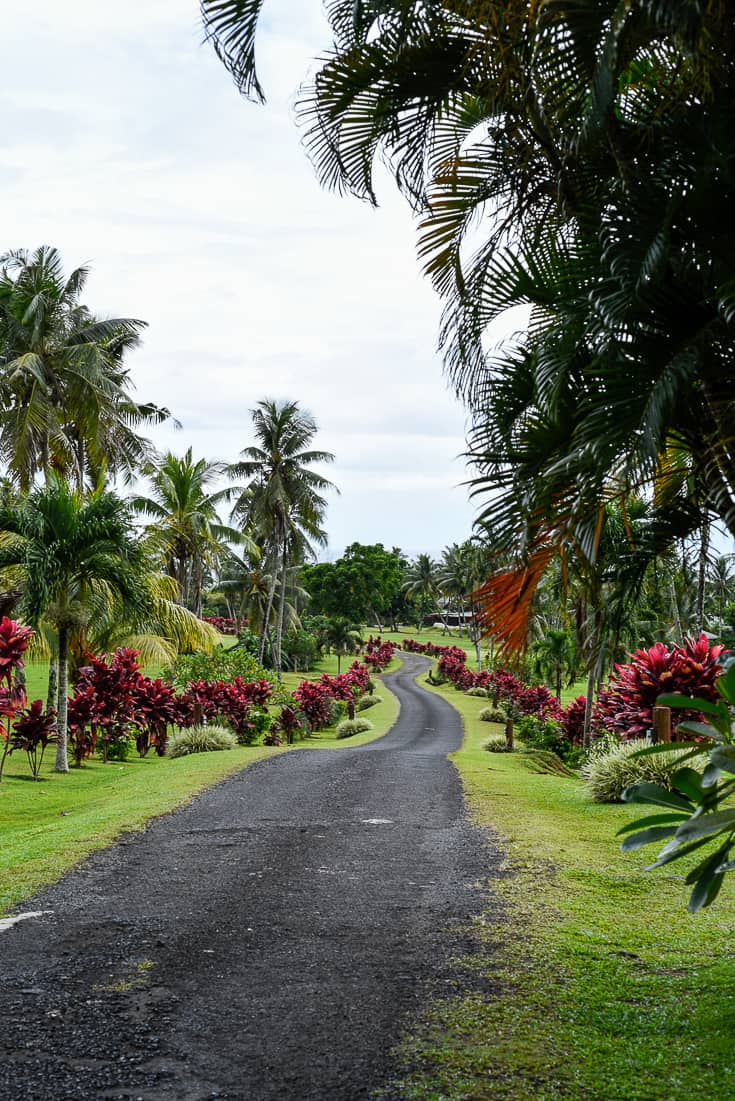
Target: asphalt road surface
[[269, 942]]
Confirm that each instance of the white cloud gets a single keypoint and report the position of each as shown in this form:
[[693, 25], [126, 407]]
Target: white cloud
[[126, 145]]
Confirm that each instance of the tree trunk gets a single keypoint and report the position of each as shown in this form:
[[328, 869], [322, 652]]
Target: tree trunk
[[592, 676], [182, 579], [62, 764], [703, 548], [52, 696], [281, 609], [676, 616], [268, 610], [198, 578]]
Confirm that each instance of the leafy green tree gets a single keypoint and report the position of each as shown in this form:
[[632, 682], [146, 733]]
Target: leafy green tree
[[363, 585], [71, 548], [66, 394]]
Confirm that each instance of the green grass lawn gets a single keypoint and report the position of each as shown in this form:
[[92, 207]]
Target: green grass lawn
[[48, 826], [604, 987]]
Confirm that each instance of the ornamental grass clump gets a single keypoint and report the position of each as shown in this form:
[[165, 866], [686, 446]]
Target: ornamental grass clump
[[476, 690], [612, 766], [493, 715], [349, 727], [199, 739], [368, 701], [498, 744]]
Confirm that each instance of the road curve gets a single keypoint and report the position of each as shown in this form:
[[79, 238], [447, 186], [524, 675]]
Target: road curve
[[266, 943]]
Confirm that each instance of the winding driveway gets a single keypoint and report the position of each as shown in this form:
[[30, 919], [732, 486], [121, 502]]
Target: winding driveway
[[269, 942]]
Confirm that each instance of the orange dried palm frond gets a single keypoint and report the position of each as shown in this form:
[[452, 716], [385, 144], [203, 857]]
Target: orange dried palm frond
[[504, 602]]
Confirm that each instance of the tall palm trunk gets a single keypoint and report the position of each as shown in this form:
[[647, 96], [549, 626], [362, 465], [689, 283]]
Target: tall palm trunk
[[62, 763], [703, 548], [676, 615], [594, 673], [52, 695], [268, 608], [182, 577], [281, 608]]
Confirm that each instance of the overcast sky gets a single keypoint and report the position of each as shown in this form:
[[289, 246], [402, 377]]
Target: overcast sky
[[127, 147]]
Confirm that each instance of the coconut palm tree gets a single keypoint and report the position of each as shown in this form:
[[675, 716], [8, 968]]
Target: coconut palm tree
[[422, 582], [74, 552], [66, 393], [186, 527], [281, 502]]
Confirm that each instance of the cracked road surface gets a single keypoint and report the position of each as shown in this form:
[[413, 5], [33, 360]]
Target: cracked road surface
[[269, 942]]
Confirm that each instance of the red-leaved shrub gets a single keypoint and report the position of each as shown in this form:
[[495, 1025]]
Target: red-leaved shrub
[[625, 705]]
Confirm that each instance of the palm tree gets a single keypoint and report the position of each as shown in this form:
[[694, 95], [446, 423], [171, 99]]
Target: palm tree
[[554, 656], [341, 636], [66, 393], [281, 501], [159, 630], [186, 527], [73, 551], [721, 578], [582, 135], [421, 581]]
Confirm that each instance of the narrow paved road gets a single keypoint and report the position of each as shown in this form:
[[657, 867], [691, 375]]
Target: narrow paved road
[[266, 943]]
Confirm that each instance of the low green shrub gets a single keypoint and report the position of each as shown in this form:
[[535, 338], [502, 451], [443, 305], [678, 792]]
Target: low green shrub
[[222, 664], [611, 767], [477, 692], [349, 727], [368, 701], [497, 744], [199, 739], [493, 715], [335, 711], [547, 734]]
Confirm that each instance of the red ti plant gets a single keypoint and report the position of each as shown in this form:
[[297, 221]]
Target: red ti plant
[[572, 720], [115, 686], [314, 702], [82, 723], [206, 697], [14, 641], [625, 705], [288, 722], [34, 730], [153, 709], [341, 687]]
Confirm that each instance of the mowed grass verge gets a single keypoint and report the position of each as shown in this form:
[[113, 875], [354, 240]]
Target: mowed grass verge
[[603, 987], [47, 827]]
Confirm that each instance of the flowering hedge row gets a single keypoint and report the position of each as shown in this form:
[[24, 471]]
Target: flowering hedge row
[[431, 649], [315, 698], [113, 701], [378, 653], [226, 625]]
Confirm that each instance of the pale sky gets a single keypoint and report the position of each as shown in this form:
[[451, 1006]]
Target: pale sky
[[127, 147]]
